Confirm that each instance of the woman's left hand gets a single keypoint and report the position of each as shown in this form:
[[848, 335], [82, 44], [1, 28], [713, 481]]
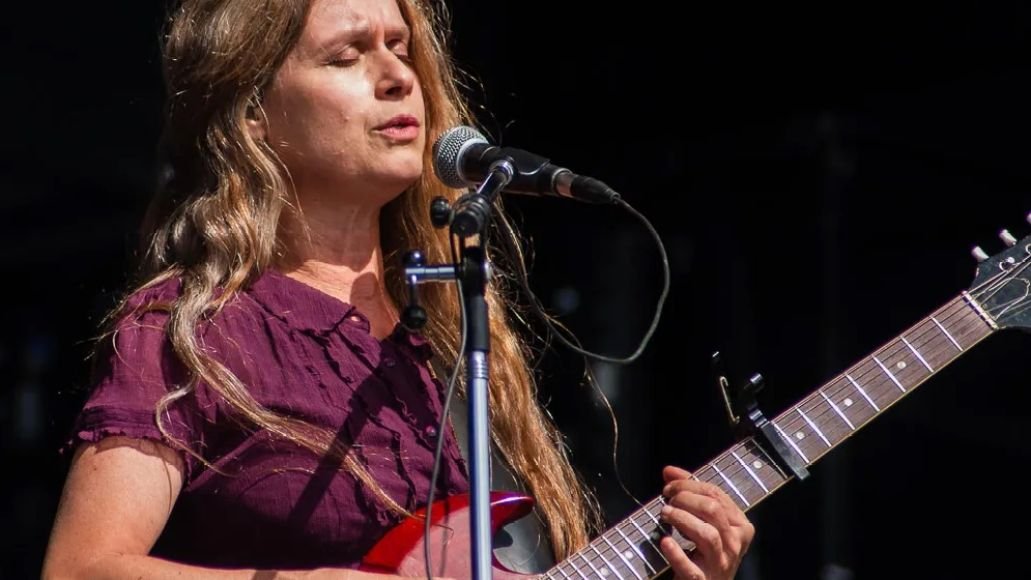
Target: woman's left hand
[[704, 514]]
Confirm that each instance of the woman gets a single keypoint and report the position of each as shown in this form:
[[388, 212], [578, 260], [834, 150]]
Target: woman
[[257, 406]]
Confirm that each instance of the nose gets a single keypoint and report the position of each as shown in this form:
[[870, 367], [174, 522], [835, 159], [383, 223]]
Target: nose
[[396, 78]]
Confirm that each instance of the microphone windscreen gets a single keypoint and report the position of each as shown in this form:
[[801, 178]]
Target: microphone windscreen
[[448, 151]]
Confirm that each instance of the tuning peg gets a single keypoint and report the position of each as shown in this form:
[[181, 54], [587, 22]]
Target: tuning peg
[[979, 254], [1007, 238]]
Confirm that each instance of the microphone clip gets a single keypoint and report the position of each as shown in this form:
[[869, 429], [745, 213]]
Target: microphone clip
[[472, 211]]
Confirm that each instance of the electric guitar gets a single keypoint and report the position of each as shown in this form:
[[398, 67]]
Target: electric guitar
[[758, 465]]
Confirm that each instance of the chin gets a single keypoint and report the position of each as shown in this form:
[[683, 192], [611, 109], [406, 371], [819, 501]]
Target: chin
[[395, 184], [405, 171]]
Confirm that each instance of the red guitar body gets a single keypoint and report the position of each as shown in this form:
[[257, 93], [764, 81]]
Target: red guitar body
[[400, 551]]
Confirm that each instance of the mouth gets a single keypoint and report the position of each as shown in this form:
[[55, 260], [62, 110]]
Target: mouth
[[400, 122], [400, 128]]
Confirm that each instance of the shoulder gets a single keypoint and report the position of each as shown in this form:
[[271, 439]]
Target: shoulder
[[142, 325], [151, 306]]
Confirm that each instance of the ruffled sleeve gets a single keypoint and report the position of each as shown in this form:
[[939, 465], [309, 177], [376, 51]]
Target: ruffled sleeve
[[135, 367]]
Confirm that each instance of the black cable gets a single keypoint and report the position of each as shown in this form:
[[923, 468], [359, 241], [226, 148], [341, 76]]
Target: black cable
[[535, 302]]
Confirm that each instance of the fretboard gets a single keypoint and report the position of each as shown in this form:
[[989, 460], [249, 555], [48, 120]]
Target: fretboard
[[811, 428]]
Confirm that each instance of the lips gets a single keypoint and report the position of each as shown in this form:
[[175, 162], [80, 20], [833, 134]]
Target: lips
[[400, 129], [400, 122]]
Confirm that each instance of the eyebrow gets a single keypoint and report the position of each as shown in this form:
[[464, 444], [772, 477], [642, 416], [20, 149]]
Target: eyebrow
[[345, 36]]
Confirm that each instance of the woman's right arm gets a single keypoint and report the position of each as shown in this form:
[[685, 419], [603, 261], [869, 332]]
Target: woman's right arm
[[116, 501]]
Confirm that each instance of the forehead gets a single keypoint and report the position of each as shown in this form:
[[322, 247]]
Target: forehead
[[328, 18]]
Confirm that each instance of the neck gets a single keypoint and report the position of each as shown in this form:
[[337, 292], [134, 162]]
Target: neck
[[339, 253]]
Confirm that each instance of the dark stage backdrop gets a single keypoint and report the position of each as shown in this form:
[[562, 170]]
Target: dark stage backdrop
[[817, 174]]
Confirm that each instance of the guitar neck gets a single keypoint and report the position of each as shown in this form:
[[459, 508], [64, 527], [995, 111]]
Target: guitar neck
[[811, 428]]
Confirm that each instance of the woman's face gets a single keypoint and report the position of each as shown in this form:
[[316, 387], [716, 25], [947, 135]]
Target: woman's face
[[345, 111]]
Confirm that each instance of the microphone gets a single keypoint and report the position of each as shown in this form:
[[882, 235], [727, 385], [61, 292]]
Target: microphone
[[462, 155]]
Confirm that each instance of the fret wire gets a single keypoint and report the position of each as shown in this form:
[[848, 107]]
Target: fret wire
[[731, 484], [589, 563], [621, 557], [956, 313], [922, 330], [750, 472], [972, 323], [918, 355], [953, 306], [789, 424], [947, 335], [936, 348], [837, 410], [889, 373], [862, 391], [560, 570], [900, 344], [572, 563], [652, 516], [607, 565], [878, 382], [812, 426], [646, 535], [961, 317], [760, 451], [749, 446], [954, 310], [897, 347], [790, 442], [960, 314], [651, 569], [741, 476]]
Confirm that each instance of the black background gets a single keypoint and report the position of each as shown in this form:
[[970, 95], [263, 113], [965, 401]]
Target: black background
[[818, 175]]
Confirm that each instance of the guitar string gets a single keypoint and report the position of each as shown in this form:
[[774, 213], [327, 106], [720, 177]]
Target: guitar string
[[1010, 274], [788, 423], [1022, 306], [872, 378], [959, 308], [875, 389], [930, 330], [980, 293], [595, 544], [954, 307]]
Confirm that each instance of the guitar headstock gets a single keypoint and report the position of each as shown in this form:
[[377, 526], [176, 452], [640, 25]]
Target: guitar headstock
[[1003, 282]]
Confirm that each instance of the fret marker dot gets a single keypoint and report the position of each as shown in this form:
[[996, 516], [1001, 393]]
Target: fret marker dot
[[628, 555], [800, 435], [757, 464], [848, 402], [605, 572], [901, 365]]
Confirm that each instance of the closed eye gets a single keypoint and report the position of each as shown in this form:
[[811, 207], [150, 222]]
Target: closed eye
[[346, 57], [400, 48]]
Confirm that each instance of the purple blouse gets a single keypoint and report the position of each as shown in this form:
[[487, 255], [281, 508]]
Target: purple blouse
[[304, 354]]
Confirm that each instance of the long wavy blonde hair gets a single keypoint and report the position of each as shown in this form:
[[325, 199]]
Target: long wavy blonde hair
[[213, 224]]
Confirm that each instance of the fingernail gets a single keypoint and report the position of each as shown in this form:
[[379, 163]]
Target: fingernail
[[665, 490], [665, 511]]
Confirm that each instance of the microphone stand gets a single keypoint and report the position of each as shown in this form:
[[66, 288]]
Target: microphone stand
[[470, 217]]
